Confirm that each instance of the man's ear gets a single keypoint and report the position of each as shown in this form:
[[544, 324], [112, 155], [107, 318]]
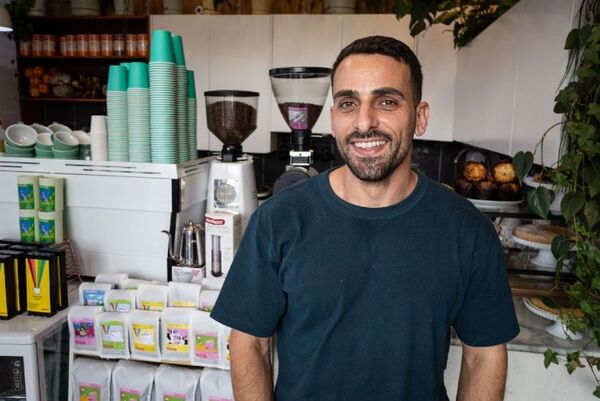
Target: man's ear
[[422, 118]]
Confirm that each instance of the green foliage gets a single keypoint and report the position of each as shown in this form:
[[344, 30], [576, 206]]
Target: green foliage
[[468, 17], [578, 174], [522, 162]]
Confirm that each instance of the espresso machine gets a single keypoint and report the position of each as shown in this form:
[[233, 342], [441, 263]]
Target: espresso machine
[[300, 93], [231, 117]]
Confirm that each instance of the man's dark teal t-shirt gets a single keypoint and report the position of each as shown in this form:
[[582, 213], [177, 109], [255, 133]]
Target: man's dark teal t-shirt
[[362, 299]]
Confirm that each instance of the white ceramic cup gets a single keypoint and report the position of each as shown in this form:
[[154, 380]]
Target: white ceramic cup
[[56, 127], [39, 128], [84, 137], [21, 135]]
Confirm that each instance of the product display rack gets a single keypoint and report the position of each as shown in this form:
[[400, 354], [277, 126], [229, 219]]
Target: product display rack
[[48, 108]]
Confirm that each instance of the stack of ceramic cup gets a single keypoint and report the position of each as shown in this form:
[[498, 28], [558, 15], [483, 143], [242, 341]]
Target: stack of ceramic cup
[[43, 146], [66, 145], [181, 105], [138, 113], [85, 145], [20, 141], [163, 134], [191, 104], [116, 105], [99, 138]]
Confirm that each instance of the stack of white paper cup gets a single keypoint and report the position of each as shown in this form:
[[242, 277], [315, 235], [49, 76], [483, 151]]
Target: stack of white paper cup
[[99, 138]]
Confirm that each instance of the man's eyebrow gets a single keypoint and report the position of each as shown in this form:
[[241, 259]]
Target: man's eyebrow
[[388, 91], [378, 92], [345, 92]]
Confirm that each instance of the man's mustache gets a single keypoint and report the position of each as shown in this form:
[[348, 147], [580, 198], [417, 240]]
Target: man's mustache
[[374, 133]]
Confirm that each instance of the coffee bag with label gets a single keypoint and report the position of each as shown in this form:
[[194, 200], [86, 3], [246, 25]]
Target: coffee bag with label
[[91, 379], [215, 384], [144, 335], [184, 295], [119, 301], [204, 343], [114, 334], [84, 330], [152, 297], [92, 294], [118, 280], [225, 356], [133, 381], [177, 383], [207, 300], [175, 338]]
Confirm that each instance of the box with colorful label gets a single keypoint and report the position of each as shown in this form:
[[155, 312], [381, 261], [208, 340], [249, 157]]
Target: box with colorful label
[[8, 300], [18, 263], [42, 283], [223, 230], [61, 274]]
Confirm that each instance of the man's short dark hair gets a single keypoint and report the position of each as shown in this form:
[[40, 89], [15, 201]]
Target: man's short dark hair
[[386, 46]]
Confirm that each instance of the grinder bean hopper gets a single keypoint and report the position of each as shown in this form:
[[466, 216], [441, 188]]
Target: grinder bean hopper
[[231, 117], [300, 93]]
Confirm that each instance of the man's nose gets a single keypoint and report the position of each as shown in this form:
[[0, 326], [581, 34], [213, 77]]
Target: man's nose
[[366, 118]]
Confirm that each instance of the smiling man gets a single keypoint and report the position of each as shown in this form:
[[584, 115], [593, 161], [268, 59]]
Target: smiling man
[[362, 271]]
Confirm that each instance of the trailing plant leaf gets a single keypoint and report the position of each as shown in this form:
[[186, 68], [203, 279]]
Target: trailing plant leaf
[[561, 246], [572, 41], [592, 213], [522, 163], [539, 201], [571, 204], [550, 357]]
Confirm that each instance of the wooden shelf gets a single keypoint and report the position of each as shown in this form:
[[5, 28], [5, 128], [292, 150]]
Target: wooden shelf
[[79, 58], [90, 18], [63, 99]]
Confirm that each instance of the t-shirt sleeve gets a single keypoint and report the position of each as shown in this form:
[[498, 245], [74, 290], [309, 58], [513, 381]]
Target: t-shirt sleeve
[[487, 315], [252, 300]]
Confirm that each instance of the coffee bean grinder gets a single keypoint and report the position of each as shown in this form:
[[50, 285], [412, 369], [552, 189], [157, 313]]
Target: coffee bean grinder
[[231, 117], [300, 93]]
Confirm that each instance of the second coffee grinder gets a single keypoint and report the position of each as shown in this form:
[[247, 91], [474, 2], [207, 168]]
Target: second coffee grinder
[[300, 93]]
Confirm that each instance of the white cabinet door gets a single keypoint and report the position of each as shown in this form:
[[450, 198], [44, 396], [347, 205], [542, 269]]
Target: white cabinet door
[[439, 62], [359, 26], [508, 78], [305, 41], [542, 63], [485, 85], [240, 58], [195, 33]]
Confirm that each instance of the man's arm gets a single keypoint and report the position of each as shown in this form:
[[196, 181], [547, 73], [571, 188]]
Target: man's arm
[[482, 373], [251, 370]]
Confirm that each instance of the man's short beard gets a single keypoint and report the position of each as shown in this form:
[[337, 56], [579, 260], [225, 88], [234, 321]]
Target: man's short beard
[[374, 169]]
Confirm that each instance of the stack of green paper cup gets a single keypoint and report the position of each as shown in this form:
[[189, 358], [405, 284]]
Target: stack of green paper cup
[[116, 107], [181, 105], [163, 134], [138, 112], [28, 192], [50, 216], [191, 116]]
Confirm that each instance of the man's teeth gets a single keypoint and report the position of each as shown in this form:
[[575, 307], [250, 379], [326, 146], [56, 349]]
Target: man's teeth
[[366, 145]]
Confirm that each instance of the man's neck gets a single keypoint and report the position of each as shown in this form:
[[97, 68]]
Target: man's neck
[[397, 187]]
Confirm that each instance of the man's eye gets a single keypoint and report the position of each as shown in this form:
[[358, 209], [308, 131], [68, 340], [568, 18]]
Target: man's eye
[[388, 103], [346, 104]]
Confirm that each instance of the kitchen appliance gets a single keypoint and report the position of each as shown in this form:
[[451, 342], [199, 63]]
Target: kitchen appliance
[[231, 117], [300, 93], [34, 356], [190, 251]]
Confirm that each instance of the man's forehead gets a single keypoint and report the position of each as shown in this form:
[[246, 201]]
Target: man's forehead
[[371, 69]]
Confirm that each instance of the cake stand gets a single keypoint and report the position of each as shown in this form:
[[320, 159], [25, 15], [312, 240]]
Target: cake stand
[[544, 258], [557, 329]]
